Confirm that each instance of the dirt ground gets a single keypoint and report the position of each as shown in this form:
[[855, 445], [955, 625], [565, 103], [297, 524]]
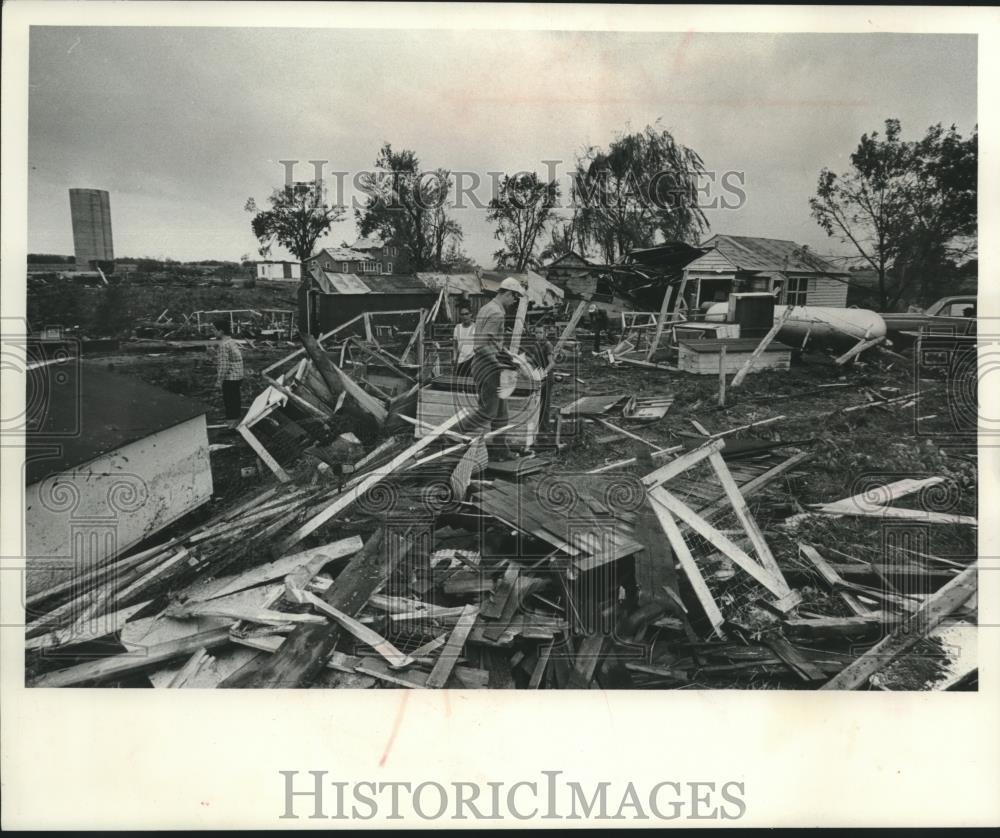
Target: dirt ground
[[880, 444]]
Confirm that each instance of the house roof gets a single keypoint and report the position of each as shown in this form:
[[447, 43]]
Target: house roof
[[341, 254], [572, 259], [462, 283], [755, 254], [368, 243], [669, 256], [87, 411], [330, 282]]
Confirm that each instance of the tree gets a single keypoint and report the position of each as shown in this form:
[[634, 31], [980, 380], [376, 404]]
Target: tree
[[444, 231], [408, 207], [565, 237], [522, 209], [299, 216], [456, 260], [907, 208], [645, 185]]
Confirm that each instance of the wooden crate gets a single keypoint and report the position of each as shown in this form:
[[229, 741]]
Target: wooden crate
[[706, 331], [441, 400], [701, 357]]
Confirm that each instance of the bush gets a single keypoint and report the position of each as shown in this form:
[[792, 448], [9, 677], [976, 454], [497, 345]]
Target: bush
[[250, 283]]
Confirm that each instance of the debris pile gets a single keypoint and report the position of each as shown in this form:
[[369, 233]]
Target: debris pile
[[420, 564]]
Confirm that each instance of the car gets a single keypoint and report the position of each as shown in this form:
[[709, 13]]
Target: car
[[952, 315]]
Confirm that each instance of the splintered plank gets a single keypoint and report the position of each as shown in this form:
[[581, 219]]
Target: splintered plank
[[655, 573], [862, 504], [567, 333], [453, 648], [462, 475], [830, 576], [682, 463], [743, 515], [126, 663], [276, 569], [494, 606], [85, 631], [588, 656], [799, 664], [342, 501], [539, 671], [690, 568], [372, 638], [778, 587], [935, 609], [305, 652], [857, 349]]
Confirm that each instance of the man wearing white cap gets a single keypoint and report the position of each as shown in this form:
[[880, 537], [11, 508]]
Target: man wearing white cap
[[489, 359]]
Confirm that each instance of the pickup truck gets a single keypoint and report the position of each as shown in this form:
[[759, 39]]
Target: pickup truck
[[955, 315]]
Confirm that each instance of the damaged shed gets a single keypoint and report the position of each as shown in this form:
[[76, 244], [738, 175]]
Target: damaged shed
[[328, 299]]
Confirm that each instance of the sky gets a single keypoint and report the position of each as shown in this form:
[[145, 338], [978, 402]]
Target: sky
[[182, 125]]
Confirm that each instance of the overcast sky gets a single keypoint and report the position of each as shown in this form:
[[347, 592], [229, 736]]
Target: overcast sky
[[181, 126]]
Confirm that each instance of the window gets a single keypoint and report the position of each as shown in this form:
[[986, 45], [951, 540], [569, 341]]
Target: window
[[347, 267], [796, 291], [369, 267], [388, 267]]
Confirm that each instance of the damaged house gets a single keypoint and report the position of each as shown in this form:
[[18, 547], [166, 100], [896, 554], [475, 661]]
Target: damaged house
[[734, 264]]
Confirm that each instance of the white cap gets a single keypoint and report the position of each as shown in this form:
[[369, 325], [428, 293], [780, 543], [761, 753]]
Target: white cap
[[511, 284], [591, 309]]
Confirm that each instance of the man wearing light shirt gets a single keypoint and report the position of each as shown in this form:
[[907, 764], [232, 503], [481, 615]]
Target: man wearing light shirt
[[488, 360], [464, 342]]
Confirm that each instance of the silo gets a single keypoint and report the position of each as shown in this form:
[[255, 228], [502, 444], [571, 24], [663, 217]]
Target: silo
[[90, 210]]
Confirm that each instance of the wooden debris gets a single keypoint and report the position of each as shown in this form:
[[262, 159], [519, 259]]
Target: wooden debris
[[126, 663], [453, 648], [935, 609]]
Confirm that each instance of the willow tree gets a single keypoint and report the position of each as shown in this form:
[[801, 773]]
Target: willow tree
[[642, 189]]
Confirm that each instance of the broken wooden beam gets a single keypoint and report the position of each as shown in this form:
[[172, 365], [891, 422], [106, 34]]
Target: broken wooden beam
[[453, 648], [129, 662], [344, 500], [764, 343], [935, 609]]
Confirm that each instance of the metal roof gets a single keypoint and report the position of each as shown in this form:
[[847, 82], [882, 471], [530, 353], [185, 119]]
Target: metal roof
[[756, 254], [462, 283], [330, 282]]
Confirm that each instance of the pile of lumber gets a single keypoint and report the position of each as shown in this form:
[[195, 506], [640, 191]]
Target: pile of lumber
[[402, 563], [418, 574]]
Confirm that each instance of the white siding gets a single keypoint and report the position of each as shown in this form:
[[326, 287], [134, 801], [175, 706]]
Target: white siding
[[825, 291], [121, 498]]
